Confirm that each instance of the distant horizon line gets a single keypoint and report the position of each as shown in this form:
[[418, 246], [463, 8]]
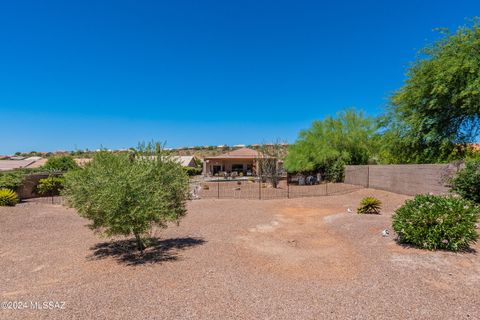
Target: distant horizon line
[[223, 146]]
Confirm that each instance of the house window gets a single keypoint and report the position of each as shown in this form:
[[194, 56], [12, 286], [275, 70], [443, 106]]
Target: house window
[[216, 169], [237, 167]]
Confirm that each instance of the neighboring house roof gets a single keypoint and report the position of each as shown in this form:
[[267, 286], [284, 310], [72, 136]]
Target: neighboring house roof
[[475, 146], [82, 161], [38, 163], [185, 161], [242, 153], [6, 165]]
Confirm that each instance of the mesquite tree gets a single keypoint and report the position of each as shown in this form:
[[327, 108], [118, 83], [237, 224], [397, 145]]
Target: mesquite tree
[[128, 194], [436, 114], [348, 138]]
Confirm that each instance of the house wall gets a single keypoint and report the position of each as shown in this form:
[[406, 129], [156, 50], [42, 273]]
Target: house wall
[[227, 164], [409, 179]]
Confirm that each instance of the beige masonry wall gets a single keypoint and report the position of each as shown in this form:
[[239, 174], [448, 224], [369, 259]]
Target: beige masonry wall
[[409, 179], [28, 188]]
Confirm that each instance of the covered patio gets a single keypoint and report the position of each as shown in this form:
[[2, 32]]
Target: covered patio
[[240, 162]]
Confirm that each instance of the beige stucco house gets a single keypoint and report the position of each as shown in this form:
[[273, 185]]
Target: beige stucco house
[[243, 161]]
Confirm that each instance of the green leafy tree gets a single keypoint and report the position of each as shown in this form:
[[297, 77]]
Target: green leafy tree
[[327, 145], [437, 111], [128, 194], [60, 163]]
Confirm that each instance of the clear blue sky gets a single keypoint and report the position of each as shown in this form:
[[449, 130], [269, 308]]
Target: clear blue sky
[[85, 74]]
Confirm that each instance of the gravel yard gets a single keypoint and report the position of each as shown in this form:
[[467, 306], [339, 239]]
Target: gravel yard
[[304, 258]]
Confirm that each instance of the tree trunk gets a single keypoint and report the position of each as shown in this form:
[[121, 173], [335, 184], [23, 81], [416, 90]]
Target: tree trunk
[[140, 244]]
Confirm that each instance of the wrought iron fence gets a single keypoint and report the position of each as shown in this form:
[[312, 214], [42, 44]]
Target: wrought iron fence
[[255, 188]]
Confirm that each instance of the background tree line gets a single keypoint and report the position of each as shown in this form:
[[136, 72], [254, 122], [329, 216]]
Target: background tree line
[[433, 118]]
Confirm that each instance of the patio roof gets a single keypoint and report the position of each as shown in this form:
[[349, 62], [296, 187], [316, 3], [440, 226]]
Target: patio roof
[[242, 153]]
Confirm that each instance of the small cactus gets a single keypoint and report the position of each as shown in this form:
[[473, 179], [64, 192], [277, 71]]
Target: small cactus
[[369, 205]]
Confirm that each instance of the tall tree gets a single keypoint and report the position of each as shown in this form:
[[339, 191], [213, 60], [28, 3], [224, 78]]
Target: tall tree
[[437, 112], [328, 144]]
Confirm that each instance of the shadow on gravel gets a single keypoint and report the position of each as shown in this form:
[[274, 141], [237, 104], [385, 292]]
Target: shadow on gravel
[[468, 250], [125, 251]]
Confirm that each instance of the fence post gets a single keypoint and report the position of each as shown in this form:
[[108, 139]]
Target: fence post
[[288, 190], [259, 189], [326, 188], [368, 176], [218, 188]]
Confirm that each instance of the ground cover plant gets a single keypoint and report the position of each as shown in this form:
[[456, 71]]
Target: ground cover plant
[[437, 222], [369, 205], [129, 194], [8, 197]]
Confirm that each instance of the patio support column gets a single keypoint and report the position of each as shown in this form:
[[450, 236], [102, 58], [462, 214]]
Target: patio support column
[[205, 173]]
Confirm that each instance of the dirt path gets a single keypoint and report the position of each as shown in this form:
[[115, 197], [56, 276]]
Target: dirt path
[[298, 243]]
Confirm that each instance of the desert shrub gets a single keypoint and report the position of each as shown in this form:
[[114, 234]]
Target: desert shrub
[[8, 197], [125, 194], [13, 179], [60, 163], [369, 205], [50, 186], [437, 222], [191, 171], [466, 182]]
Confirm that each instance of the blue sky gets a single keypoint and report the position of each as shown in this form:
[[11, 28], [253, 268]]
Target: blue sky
[[85, 74]]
